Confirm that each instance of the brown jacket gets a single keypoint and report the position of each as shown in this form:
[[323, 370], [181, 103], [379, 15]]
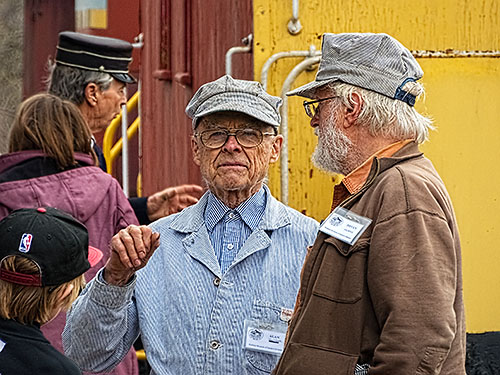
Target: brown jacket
[[394, 298]]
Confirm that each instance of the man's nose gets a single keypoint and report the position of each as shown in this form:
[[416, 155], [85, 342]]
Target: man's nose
[[231, 144], [315, 120]]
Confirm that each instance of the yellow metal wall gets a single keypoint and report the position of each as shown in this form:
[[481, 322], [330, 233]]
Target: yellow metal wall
[[462, 97]]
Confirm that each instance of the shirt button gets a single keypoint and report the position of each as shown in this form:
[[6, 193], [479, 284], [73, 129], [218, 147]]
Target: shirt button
[[231, 215], [217, 281], [214, 344], [230, 246]]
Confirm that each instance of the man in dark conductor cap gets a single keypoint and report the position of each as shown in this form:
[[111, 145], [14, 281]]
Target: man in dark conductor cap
[[92, 72]]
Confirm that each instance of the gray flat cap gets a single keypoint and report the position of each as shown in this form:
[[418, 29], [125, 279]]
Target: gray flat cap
[[376, 62], [229, 94]]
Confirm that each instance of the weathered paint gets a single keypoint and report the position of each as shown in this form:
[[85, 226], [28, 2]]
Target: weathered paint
[[43, 20], [462, 97]]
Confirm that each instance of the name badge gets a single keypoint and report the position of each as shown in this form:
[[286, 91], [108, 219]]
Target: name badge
[[344, 225], [264, 338]]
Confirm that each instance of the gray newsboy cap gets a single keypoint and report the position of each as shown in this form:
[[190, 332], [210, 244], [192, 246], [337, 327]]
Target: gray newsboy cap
[[376, 62], [229, 94]]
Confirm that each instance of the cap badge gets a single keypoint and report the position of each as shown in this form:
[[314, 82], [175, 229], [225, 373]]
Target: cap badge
[[25, 244]]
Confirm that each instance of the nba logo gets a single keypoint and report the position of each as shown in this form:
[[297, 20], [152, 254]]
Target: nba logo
[[25, 244]]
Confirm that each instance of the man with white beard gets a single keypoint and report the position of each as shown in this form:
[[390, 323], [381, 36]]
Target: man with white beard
[[381, 289]]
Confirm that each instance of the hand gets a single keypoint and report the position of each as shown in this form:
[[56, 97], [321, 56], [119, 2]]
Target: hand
[[172, 200], [131, 249]]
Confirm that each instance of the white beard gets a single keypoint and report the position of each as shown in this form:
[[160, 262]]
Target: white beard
[[333, 148]]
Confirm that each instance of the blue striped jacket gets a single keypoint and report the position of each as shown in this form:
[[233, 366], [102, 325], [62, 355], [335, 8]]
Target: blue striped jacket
[[190, 316]]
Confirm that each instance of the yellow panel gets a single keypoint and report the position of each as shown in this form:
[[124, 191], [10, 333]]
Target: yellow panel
[[462, 97], [98, 19]]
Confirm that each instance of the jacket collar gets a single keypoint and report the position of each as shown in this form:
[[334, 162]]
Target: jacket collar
[[13, 158], [192, 217], [407, 152]]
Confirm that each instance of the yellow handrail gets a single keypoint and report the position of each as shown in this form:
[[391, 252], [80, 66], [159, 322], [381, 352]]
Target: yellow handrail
[[117, 148], [109, 150], [141, 355]]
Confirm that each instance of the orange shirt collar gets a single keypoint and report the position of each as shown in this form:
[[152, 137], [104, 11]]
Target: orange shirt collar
[[355, 180]]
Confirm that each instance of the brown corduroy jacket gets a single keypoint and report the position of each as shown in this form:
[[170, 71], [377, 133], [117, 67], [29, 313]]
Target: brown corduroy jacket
[[394, 298]]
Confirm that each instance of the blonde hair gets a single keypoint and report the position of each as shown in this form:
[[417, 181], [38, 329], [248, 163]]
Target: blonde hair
[[53, 125], [32, 304]]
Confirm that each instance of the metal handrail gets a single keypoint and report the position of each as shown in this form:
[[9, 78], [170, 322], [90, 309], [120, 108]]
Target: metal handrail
[[131, 131], [111, 151]]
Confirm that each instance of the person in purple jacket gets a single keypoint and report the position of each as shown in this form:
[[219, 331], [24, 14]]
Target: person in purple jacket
[[51, 163]]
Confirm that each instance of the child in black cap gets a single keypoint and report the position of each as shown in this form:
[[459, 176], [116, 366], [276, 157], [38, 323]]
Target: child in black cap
[[43, 255]]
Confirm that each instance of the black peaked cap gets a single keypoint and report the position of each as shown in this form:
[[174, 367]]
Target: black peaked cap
[[96, 53]]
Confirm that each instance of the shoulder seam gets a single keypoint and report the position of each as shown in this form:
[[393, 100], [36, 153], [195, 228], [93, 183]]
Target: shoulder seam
[[405, 187]]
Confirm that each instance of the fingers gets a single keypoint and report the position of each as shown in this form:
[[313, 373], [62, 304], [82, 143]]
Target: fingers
[[190, 189], [182, 190], [172, 200], [133, 245]]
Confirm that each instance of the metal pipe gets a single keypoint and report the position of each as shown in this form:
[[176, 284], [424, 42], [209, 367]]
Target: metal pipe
[[280, 55], [247, 41], [124, 151], [292, 76], [294, 26], [453, 53]]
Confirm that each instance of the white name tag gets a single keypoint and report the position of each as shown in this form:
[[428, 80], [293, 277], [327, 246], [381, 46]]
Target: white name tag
[[344, 225], [264, 338]]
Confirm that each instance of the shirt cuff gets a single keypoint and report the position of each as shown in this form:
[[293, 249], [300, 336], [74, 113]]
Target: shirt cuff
[[111, 296]]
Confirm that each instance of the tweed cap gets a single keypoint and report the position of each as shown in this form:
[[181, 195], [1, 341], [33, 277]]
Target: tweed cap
[[97, 53], [376, 62], [229, 94]]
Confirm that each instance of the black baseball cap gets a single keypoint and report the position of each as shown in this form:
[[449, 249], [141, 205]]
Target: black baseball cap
[[97, 53], [53, 239]]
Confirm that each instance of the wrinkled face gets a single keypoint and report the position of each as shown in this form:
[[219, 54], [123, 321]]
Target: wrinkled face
[[233, 168], [108, 105]]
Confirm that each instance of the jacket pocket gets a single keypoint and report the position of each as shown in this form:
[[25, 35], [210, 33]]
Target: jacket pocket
[[267, 313], [342, 273], [301, 359]]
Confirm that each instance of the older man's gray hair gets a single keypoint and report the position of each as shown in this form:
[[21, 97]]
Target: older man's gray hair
[[69, 83]]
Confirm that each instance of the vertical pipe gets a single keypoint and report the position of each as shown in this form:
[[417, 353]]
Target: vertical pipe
[[292, 76], [125, 151]]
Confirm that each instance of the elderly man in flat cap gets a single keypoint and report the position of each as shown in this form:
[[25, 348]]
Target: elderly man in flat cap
[[92, 72], [381, 289], [216, 296]]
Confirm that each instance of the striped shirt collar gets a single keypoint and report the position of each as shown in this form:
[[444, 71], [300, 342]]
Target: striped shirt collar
[[250, 211]]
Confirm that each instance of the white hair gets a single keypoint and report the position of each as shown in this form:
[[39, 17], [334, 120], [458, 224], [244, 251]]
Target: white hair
[[384, 116]]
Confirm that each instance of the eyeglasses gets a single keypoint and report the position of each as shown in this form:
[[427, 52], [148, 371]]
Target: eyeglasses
[[310, 107], [217, 138]]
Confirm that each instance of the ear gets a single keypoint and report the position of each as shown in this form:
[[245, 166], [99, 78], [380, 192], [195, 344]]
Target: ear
[[276, 148], [90, 92], [352, 114], [196, 151]]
